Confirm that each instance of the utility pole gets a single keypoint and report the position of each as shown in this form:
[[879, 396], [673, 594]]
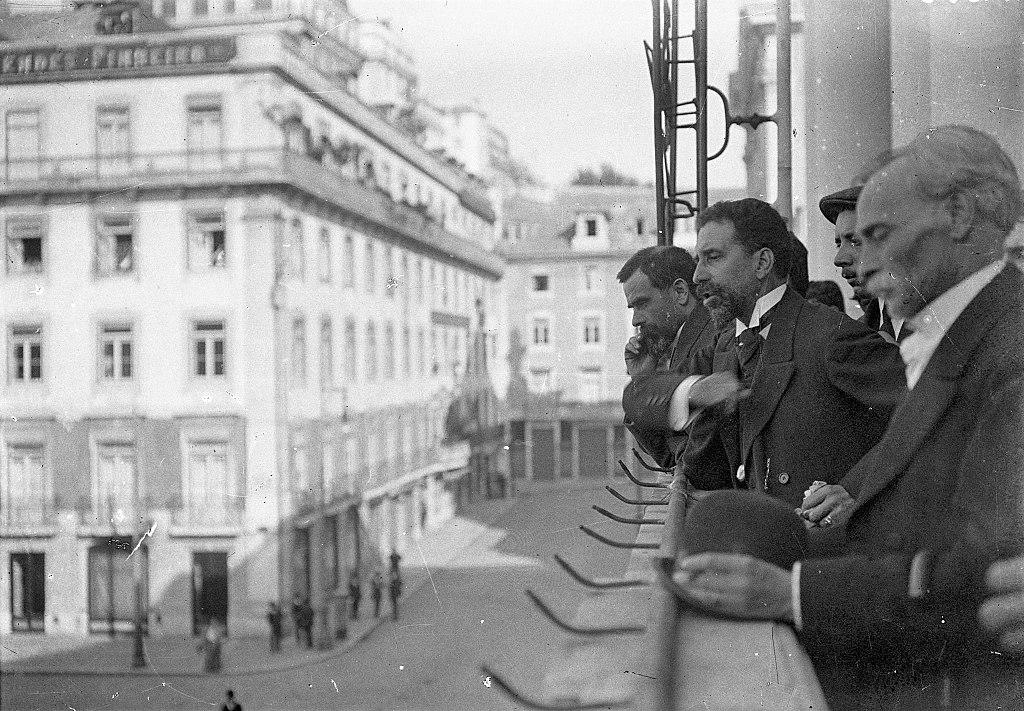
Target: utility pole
[[138, 573]]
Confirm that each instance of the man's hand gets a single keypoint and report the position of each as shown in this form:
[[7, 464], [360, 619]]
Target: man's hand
[[722, 389], [639, 361], [1003, 613], [738, 585], [825, 504]]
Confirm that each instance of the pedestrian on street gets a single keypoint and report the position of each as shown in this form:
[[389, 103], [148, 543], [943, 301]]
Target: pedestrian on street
[[297, 618], [210, 646], [377, 590], [230, 704], [395, 559], [394, 591], [304, 622], [355, 591], [275, 621]]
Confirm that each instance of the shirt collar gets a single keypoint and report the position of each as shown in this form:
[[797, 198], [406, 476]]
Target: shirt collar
[[762, 307], [936, 318], [932, 323]]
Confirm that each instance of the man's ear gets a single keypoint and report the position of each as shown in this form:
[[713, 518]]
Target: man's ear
[[962, 210], [682, 292], [765, 262]]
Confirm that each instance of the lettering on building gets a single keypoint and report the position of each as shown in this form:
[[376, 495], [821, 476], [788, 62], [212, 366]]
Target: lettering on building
[[102, 58]]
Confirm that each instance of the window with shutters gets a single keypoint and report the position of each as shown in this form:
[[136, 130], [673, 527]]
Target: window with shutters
[[25, 244], [390, 282], [592, 328], [348, 263], [25, 494], [115, 245], [116, 353], [371, 352], [23, 144], [113, 139], [26, 353], [351, 351], [541, 331], [299, 352], [114, 485], [324, 256], [295, 250], [208, 349], [389, 351], [370, 268], [207, 240], [209, 485], [326, 353], [204, 128]]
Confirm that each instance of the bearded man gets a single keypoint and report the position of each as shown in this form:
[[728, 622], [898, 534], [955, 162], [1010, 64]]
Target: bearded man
[[814, 388]]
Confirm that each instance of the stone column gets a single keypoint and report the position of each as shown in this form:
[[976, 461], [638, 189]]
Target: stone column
[[848, 93]]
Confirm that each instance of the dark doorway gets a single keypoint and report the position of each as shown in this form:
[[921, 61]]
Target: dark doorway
[[28, 592], [209, 589]]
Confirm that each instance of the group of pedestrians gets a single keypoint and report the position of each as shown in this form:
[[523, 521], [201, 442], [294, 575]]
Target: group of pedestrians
[[393, 583], [349, 601]]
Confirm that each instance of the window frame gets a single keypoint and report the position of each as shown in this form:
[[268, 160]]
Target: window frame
[[117, 352], [199, 325], [17, 334], [110, 226], [29, 223]]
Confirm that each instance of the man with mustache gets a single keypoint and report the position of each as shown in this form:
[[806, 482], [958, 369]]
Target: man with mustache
[[892, 622], [672, 324], [820, 384], [839, 208]]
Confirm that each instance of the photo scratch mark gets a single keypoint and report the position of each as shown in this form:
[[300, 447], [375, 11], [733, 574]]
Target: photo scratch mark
[[148, 533]]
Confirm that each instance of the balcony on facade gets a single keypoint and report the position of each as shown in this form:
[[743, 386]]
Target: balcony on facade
[[249, 167]]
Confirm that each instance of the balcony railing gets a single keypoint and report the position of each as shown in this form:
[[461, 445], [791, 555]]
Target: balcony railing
[[227, 514], [26, 513], [249, 166]]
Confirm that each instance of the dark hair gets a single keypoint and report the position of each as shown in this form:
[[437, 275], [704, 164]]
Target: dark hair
[[662, 265], [826, 293], [757, 225]]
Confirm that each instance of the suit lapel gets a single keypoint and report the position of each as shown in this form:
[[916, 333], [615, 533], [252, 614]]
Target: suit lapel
[[698, 320], [774, 373], [914, 420], [726, 361]]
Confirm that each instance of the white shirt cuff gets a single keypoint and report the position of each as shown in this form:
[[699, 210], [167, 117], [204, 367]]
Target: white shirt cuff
[[794, 592], [679, 407]]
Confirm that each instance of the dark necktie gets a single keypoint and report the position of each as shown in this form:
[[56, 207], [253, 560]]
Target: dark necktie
[[748, 353]]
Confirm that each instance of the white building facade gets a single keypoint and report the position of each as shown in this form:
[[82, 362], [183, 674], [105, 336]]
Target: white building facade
[[235, 307]]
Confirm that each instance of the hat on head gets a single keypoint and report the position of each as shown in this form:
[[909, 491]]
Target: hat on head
[[840, 201], [730, 521]]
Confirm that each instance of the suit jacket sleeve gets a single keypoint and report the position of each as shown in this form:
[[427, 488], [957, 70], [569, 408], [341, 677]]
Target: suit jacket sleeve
[[929, 599], [867, 368]]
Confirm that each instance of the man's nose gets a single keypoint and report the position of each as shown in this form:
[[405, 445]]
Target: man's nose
[[843, 257], [867, 264], [700, 274], [638, 319]]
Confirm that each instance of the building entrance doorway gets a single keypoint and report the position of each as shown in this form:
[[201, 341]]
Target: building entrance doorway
[[28, 592], [209, 589], [112, 585]]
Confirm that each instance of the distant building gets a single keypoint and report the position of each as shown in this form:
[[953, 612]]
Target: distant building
[[568, 323], [237, 309]]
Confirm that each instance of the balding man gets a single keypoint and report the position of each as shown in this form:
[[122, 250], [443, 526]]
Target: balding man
[[892, 620]]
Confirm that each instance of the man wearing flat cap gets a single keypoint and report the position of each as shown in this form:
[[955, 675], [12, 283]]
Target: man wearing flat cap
[[840, 208]]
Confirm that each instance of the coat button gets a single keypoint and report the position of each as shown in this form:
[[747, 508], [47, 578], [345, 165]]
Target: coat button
[[783, 478], [741, 473]]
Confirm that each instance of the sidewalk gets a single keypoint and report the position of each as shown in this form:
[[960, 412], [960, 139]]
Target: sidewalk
[[176, 655]]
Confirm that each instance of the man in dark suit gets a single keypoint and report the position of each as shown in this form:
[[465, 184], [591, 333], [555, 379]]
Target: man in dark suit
[[840, 208], [820, 384], [891, 620], [672, 324]]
